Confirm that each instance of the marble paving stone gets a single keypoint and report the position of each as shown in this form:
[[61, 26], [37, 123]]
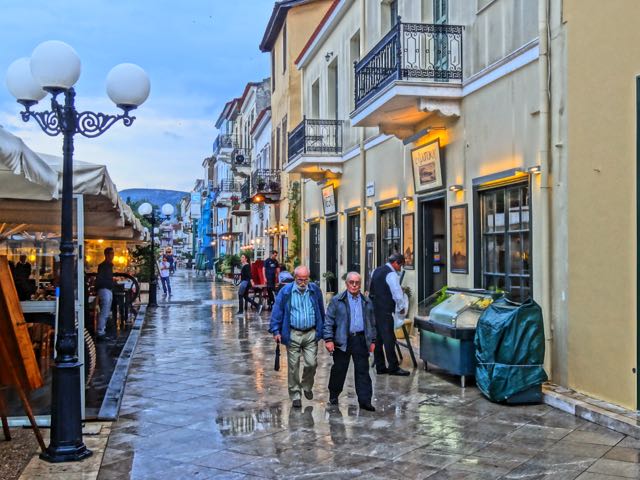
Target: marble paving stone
[[615, 467], [203, 401], [597, 476], [624, 454]]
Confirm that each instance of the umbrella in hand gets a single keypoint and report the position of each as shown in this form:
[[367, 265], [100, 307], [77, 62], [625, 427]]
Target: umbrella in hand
[[276, 365]]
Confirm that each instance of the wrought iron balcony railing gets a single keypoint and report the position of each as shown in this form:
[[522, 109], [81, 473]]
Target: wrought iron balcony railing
[[317, 137], [229, 186], [265, 182], [410, 51], [224, 140]]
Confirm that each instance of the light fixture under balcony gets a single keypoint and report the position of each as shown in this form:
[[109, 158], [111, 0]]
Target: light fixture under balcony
[[456, 188], [534, 170]]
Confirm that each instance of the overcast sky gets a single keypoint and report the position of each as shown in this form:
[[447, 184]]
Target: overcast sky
[[198, 54]]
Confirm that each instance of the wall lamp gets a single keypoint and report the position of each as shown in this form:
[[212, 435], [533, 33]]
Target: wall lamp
[[328, 56], [456, 188], [534, 170]]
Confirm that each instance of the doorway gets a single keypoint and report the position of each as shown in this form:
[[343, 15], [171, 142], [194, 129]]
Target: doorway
[[433, 249], [332, 255], [314, 257]]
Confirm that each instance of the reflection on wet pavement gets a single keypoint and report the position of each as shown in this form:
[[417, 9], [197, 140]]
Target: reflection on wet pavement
[[203, 401]]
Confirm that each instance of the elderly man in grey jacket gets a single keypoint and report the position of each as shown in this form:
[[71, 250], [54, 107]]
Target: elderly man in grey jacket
[[350, 332]]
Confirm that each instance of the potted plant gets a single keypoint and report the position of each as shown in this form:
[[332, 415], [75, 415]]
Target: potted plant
[[261, 183], [329, 279]]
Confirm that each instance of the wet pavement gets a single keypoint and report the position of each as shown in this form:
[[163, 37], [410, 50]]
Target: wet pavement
[[203, 401]]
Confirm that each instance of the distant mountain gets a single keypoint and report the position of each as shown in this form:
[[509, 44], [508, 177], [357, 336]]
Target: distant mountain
[[154, 196]]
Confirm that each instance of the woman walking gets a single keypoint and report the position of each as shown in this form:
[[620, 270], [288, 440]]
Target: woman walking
[[243, 289], [165, 271]]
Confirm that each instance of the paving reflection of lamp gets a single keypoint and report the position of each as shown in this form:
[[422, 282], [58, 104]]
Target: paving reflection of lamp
[[146, 210], [54, 67]]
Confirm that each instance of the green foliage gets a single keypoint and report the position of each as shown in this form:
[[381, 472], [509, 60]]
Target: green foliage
[[442, 296], [295, 227], [229, 261], [328, 276], [140, 260]]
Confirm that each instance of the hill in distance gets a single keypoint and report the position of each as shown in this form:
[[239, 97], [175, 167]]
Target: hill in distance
[[157, 197]]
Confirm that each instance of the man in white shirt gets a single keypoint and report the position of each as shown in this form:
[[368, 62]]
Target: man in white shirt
[[387, 296]]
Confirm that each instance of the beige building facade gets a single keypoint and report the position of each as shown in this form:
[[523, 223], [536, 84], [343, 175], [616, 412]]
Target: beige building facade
[[465, 137], [289, 27]]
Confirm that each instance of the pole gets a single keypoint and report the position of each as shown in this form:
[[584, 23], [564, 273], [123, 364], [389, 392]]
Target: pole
[[153, 299], [66, 423]]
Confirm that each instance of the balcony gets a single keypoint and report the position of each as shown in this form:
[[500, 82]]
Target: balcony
[[224, 144], [265, 186], [228, 192], [412, 74], [240, 208], [315, 148]]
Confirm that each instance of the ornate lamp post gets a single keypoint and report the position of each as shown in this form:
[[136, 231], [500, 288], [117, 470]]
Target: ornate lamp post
[[54, 67]]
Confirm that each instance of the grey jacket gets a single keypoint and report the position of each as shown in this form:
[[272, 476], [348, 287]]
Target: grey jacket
[[338, 320]]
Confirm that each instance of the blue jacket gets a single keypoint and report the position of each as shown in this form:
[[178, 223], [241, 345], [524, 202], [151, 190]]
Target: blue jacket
[[281, 314], [338, 321]]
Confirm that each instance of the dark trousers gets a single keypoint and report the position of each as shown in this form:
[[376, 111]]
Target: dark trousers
[[243, 297], [357, 349], [385, 343], [270, 289]]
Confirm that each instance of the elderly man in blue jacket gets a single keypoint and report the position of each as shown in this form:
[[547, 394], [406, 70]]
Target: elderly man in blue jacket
[[297, 321], [350, 333]]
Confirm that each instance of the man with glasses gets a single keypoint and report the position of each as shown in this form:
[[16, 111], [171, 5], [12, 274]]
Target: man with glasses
[[350, 332], [296, 321], [387, 296]]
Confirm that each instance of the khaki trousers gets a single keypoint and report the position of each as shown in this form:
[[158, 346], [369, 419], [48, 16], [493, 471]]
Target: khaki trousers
[[302, 344]]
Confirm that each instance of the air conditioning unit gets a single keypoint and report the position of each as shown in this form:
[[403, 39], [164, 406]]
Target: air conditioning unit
[[240, 159]]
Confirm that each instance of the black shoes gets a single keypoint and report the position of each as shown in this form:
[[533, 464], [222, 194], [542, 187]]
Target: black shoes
[[297, 403], [399, 372], [382, 371], [308, 395], [368, 407], [103, 338], [333, 401]]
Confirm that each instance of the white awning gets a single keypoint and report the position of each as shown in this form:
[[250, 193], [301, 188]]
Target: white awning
[[23, 173]]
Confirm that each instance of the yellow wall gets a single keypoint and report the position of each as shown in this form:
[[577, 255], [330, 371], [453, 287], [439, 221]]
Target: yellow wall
[[603, 61]]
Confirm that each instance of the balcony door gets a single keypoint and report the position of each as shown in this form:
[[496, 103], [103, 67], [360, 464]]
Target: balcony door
[[332, 254], [314, 251], [441, 17], [333, 97]]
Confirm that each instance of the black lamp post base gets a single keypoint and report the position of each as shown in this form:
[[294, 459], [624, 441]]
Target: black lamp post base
[[153, 293], [72, 453]]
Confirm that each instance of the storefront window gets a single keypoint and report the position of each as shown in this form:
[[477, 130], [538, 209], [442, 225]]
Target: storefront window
[[505, 240], [389, 233], [314, 260], [353, 243]]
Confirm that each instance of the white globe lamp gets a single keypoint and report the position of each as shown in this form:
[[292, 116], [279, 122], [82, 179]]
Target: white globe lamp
[[55, 65], [128, 86], [21, 83]]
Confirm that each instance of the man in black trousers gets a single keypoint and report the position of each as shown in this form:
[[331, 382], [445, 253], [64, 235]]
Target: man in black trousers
[[350, 332], [387, 297]]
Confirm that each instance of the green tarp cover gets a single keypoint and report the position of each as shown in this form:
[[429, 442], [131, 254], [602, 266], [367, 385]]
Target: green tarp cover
[[509, 349]]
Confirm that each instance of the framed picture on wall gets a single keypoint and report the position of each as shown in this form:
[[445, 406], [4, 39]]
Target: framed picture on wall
[[329, 200], [427, 167], [407, 241], [459, 228]]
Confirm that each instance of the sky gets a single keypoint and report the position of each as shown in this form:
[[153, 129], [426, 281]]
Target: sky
[[198, 54]]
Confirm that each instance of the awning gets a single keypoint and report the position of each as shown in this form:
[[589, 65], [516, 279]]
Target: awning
[[23, 173], [106, 216]]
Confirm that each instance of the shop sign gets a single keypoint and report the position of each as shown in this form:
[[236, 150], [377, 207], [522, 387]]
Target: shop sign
[[427, 167], [329, 200]]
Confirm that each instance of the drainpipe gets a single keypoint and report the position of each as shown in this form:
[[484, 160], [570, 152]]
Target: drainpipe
[[544, 160], [363, 157]]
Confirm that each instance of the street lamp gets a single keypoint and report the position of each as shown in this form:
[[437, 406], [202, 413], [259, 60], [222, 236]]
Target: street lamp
[[54, 67], [147, 210]]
